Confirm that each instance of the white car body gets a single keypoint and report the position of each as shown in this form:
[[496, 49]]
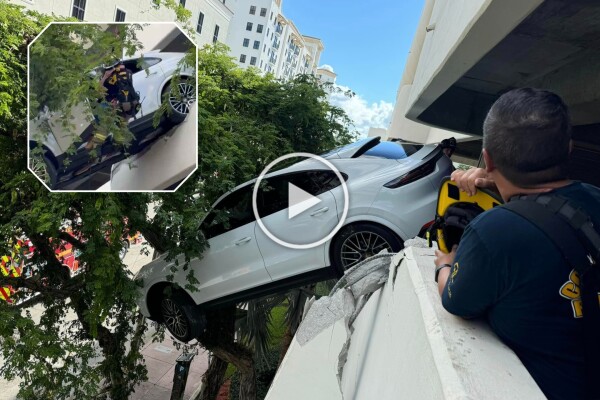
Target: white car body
[[243, 262], [151, 83]]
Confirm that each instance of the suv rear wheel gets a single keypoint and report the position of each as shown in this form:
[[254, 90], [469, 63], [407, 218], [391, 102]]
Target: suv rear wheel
[[358, 242]]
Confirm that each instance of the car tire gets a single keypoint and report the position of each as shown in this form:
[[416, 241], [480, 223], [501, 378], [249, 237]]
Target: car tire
[[124, 249], [181, 318], [179, 108], [356, 242]]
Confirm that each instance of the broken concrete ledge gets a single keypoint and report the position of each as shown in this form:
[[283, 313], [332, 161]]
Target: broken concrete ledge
[[403, 344]]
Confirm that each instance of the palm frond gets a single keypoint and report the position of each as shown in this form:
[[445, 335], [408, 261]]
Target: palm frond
[[253, 328]]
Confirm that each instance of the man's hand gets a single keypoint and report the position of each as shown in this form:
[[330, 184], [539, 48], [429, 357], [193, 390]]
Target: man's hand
[[442, 258], [445, 258], [468, 181]]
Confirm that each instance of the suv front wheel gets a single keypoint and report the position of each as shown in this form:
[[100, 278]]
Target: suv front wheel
[[182, 319]]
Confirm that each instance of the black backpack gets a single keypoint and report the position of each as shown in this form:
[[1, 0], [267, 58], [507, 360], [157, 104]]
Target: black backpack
[[128, 98], [573, 233]]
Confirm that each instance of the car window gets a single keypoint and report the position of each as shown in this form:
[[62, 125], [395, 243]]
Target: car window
[[139, 64], [233, 211], [392, 150], [273, 195], [325, 181]]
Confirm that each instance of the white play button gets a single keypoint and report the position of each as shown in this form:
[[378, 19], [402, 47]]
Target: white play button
[[299, 200]]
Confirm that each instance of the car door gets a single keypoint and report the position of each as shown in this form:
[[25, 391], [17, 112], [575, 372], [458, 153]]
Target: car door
[[147, 79], [233, 262], [307, 227]]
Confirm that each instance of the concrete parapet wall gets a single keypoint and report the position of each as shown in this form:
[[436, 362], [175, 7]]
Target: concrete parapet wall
[[404, 345]]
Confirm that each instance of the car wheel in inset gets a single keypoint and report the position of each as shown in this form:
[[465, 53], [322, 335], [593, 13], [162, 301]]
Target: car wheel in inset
[[44, 169], [357, 242], [180, 101], [181, 318]]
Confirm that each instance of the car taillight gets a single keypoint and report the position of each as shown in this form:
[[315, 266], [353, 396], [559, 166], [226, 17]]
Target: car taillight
[[426, 168]]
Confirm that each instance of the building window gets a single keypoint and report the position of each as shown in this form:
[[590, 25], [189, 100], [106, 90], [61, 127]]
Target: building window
[[264, 48], [216, 34], [261, 63], [249, 26], [200, 23], [246, 42], [259, 28], [252, 10], [182, 3], [243, 58], [271, 15], [263, 12], [78, 9], [256, 45], [120, 15], [252, 60]]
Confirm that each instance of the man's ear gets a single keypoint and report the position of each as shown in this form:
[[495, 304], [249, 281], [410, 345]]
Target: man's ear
[[489, 163]]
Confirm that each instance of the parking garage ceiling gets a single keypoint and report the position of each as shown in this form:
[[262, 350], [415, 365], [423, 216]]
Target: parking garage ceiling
[[557, 48]]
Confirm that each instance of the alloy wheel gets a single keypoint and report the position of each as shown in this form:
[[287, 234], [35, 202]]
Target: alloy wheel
[[38, 166], [360, 246], [181, 102], [174, 319]]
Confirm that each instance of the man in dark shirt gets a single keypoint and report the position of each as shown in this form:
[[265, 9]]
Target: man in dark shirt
[[505, 268]]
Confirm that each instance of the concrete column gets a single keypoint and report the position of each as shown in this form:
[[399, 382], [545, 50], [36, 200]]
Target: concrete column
[[400, 127]]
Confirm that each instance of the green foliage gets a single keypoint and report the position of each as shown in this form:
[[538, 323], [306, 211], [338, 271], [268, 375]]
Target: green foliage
[[64, 73], [90, 333], [16, 33]]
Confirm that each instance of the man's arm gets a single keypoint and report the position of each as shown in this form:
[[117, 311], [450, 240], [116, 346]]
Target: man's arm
[[471, 285], [442, 258]]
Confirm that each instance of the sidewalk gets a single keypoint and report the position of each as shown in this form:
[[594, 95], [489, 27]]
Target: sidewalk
[[160, 361]]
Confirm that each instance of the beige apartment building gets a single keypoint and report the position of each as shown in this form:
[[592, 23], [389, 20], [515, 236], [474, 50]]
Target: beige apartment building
[[210, 18], [260, 36]]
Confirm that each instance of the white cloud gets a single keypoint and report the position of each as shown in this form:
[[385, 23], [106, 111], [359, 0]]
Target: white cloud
[[364, 115]]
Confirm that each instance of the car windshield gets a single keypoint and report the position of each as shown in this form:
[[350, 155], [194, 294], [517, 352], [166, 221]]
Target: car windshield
[[392, 150]]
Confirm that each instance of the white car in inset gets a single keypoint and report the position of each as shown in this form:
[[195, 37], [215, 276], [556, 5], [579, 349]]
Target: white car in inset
[[153, 75], [393, 191]]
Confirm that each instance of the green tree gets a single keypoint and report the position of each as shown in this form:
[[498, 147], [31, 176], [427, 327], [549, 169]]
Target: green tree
[[90, 334], [89, 337]]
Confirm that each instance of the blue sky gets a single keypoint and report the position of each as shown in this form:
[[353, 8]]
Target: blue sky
[[366, 43]]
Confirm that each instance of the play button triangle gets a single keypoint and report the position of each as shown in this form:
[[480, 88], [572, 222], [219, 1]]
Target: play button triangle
[[299, 200]]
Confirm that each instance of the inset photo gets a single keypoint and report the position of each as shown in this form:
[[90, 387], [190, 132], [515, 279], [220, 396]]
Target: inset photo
[[112, 107]]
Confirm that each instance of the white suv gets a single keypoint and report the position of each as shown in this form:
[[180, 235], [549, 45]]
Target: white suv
[[392, 194]]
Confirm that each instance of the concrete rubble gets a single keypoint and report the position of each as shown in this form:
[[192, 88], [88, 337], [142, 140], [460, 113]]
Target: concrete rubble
[[347, 298]]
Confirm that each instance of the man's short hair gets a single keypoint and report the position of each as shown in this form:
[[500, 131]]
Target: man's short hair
[[527, 134]]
